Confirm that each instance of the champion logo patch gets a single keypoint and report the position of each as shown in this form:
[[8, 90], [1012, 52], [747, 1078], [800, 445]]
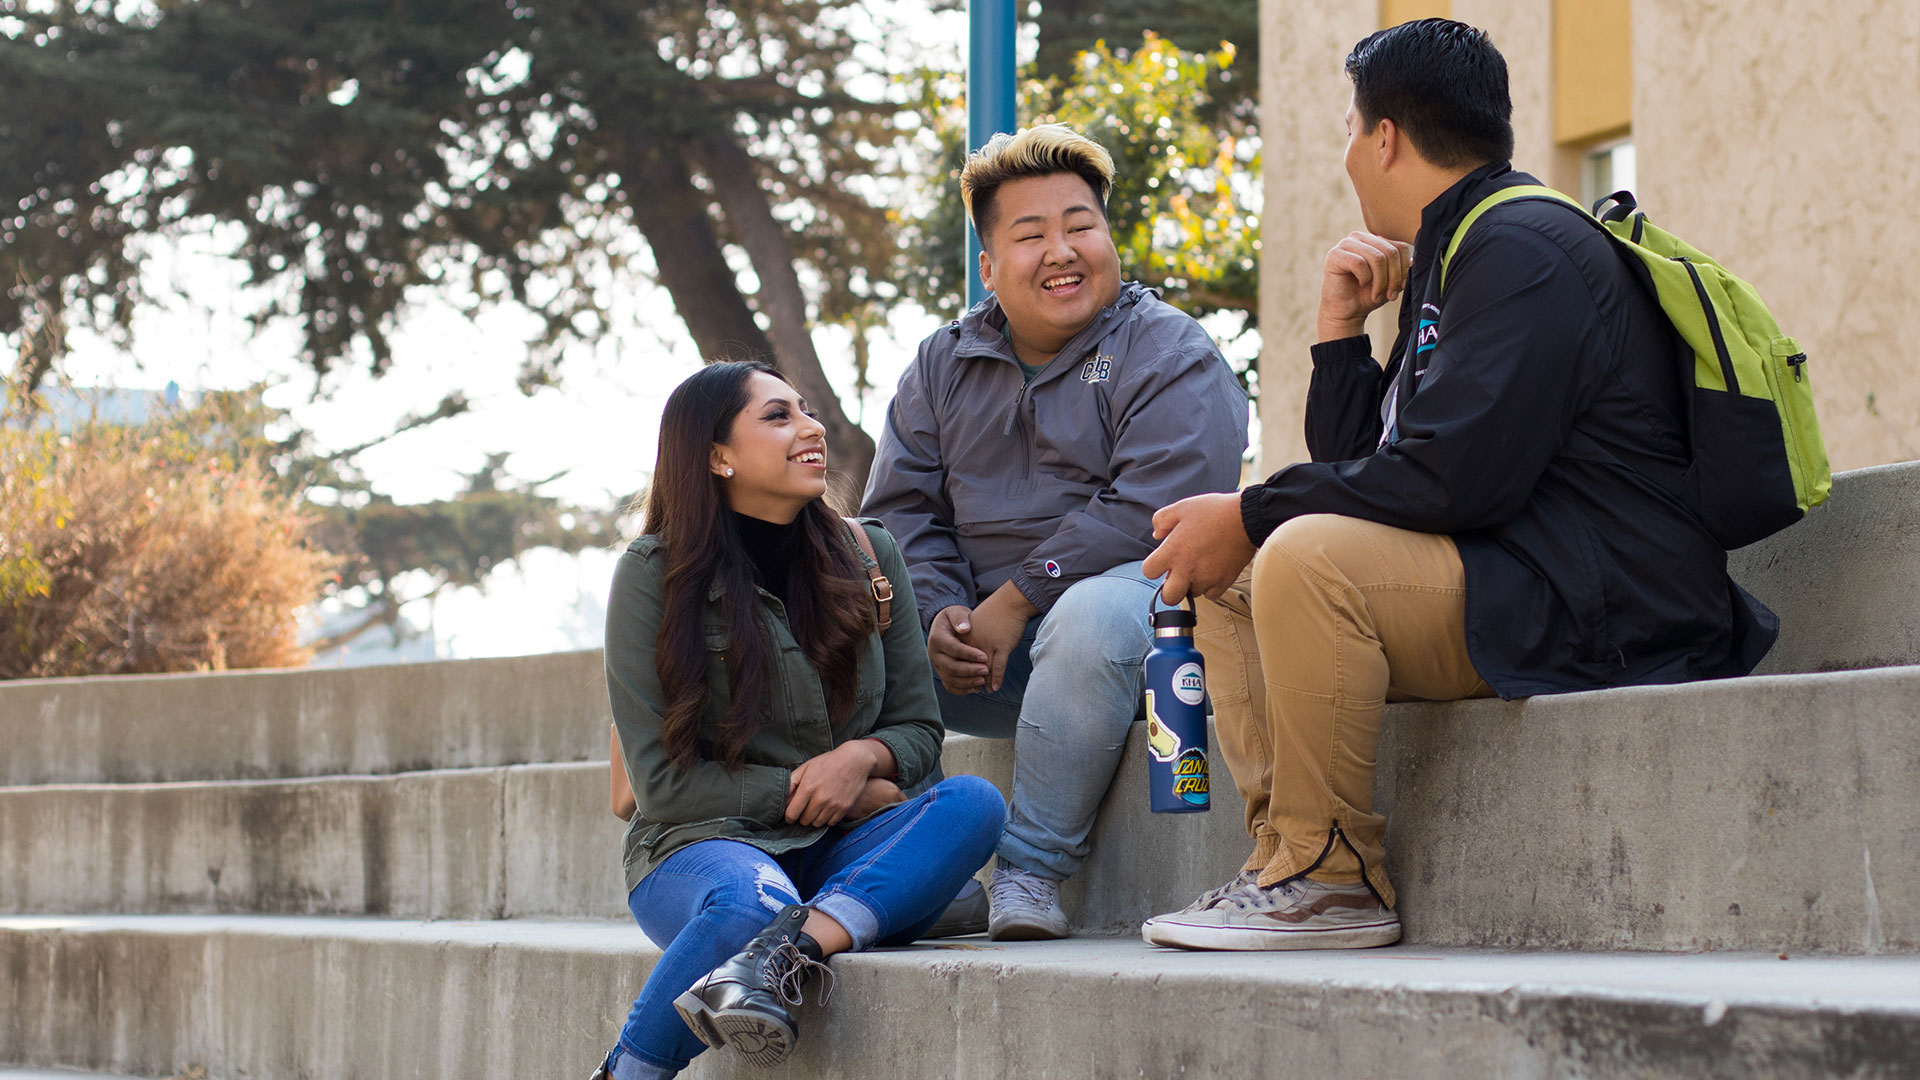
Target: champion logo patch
[[1053, 568]]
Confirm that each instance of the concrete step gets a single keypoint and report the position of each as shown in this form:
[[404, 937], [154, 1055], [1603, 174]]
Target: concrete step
[[453, 843], [1764, 813], [242, 725], [1846, 583], [9, 1073], [1846, 580], [1761, 813], [281, 997]]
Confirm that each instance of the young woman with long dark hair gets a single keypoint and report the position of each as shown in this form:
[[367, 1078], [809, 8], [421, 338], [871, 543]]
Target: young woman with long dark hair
[[768, 724]]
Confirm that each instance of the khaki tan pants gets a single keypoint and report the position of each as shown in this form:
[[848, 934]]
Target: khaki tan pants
[[1335, 617]]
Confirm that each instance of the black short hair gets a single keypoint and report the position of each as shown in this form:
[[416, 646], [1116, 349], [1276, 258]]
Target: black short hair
[[1443, 83]]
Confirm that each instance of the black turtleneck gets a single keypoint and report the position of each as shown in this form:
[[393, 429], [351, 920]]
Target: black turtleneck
[[770, 550]]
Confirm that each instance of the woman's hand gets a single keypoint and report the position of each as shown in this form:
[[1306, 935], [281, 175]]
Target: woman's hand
[[824, 788]]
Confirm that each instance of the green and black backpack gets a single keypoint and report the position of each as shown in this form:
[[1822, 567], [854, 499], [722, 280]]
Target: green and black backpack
[[1758, 461]]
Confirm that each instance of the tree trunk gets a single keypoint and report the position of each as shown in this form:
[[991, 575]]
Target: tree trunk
[[735, 176], [42, 341], [687, 257]]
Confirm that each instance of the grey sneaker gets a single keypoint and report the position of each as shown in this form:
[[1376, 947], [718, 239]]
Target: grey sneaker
[[1025, 907], [1300, 914], [967, 914], [1243, 880]]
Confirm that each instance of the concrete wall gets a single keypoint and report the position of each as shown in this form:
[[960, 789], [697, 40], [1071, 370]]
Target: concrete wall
[[1784, 138], [304, 722], [287, 998], [1308, 205], [1781, 137]]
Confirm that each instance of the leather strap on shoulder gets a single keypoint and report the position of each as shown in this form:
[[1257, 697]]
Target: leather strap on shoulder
[[882, 587]]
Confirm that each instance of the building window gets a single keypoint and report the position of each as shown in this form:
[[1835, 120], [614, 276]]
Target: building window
[[1607, 168]]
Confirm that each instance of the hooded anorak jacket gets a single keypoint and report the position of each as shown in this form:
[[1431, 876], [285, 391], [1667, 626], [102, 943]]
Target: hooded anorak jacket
[[985, 478]]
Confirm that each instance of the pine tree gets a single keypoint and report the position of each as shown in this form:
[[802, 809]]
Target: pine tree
[[495, 150]]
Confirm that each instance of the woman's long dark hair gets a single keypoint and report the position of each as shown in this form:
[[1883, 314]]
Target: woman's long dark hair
[[829, 606]]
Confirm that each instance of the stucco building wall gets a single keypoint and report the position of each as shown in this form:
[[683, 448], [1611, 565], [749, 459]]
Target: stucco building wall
[[1782, 137], [1308, 205]]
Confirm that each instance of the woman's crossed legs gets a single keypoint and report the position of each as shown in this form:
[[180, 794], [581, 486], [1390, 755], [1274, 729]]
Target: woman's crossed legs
[[883, 882]]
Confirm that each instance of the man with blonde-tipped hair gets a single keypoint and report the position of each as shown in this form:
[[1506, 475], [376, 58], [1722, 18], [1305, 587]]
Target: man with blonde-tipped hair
[[1025, 453]]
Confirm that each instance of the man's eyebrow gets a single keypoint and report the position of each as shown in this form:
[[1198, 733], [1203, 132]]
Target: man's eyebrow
[[1075, 209]]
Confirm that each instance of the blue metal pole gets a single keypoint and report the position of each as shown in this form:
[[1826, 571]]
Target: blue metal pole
[[990, 101]]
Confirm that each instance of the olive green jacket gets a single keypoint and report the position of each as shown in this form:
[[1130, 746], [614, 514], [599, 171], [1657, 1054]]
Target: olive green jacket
[[895, 704]]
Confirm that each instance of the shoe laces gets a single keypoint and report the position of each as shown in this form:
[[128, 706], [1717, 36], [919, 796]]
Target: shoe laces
[[1254, 896], [1242, 881], [787, 969], [1021, 887]]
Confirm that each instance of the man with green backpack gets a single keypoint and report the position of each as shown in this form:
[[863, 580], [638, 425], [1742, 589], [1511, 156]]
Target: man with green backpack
[[1535, 496]]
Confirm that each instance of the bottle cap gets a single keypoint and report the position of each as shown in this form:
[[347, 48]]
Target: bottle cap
[[1173, 617]]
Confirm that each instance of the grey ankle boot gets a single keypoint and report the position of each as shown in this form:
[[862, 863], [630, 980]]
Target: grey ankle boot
[[744, 1002]]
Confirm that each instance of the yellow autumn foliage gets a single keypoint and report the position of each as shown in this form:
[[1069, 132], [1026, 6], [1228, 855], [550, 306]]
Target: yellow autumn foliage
[[145, 549]]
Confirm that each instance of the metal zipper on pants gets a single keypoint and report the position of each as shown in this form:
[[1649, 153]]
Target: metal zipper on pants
[[1334, 832]]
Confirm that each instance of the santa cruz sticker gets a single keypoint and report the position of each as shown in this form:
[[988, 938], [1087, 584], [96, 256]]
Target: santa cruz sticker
[[1188, 685], [1190, 777]]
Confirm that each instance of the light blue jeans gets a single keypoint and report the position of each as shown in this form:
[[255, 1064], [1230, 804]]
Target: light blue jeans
[[1072, 689]]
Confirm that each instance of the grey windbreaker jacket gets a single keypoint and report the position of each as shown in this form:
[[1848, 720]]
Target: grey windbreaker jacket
[[984, 478]]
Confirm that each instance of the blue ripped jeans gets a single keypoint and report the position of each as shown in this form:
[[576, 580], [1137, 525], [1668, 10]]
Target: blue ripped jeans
[[886, 880]]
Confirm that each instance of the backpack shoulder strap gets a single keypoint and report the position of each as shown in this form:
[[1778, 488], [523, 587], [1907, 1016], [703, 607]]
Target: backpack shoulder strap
[[1504, 195], [882, 587]]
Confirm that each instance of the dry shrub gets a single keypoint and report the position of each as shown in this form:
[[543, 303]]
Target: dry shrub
[[147, 549]]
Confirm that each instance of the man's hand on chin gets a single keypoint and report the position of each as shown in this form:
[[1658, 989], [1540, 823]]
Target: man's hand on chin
[[997, 625], [1203, 547]]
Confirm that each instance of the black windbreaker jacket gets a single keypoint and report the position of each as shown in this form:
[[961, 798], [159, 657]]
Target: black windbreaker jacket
[[1539, 419]]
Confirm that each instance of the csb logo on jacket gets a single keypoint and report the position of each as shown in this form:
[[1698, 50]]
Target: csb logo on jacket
[[1096, 369]]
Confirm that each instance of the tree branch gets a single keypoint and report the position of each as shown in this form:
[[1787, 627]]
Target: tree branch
[[450, 406], [735, 176], [384, 612], [1223, 300], [688, 260]]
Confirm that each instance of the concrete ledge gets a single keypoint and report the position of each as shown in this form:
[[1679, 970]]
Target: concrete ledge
[[461, 843], [316, 997], [317, 722], [1766, 813], [56, 1075], [8, 1073], [1773, 812], [1846, 580], [1761, 813], [1846, 583]]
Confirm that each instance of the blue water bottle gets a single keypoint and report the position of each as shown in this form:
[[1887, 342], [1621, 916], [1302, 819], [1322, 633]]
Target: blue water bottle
[[1176, 716]]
